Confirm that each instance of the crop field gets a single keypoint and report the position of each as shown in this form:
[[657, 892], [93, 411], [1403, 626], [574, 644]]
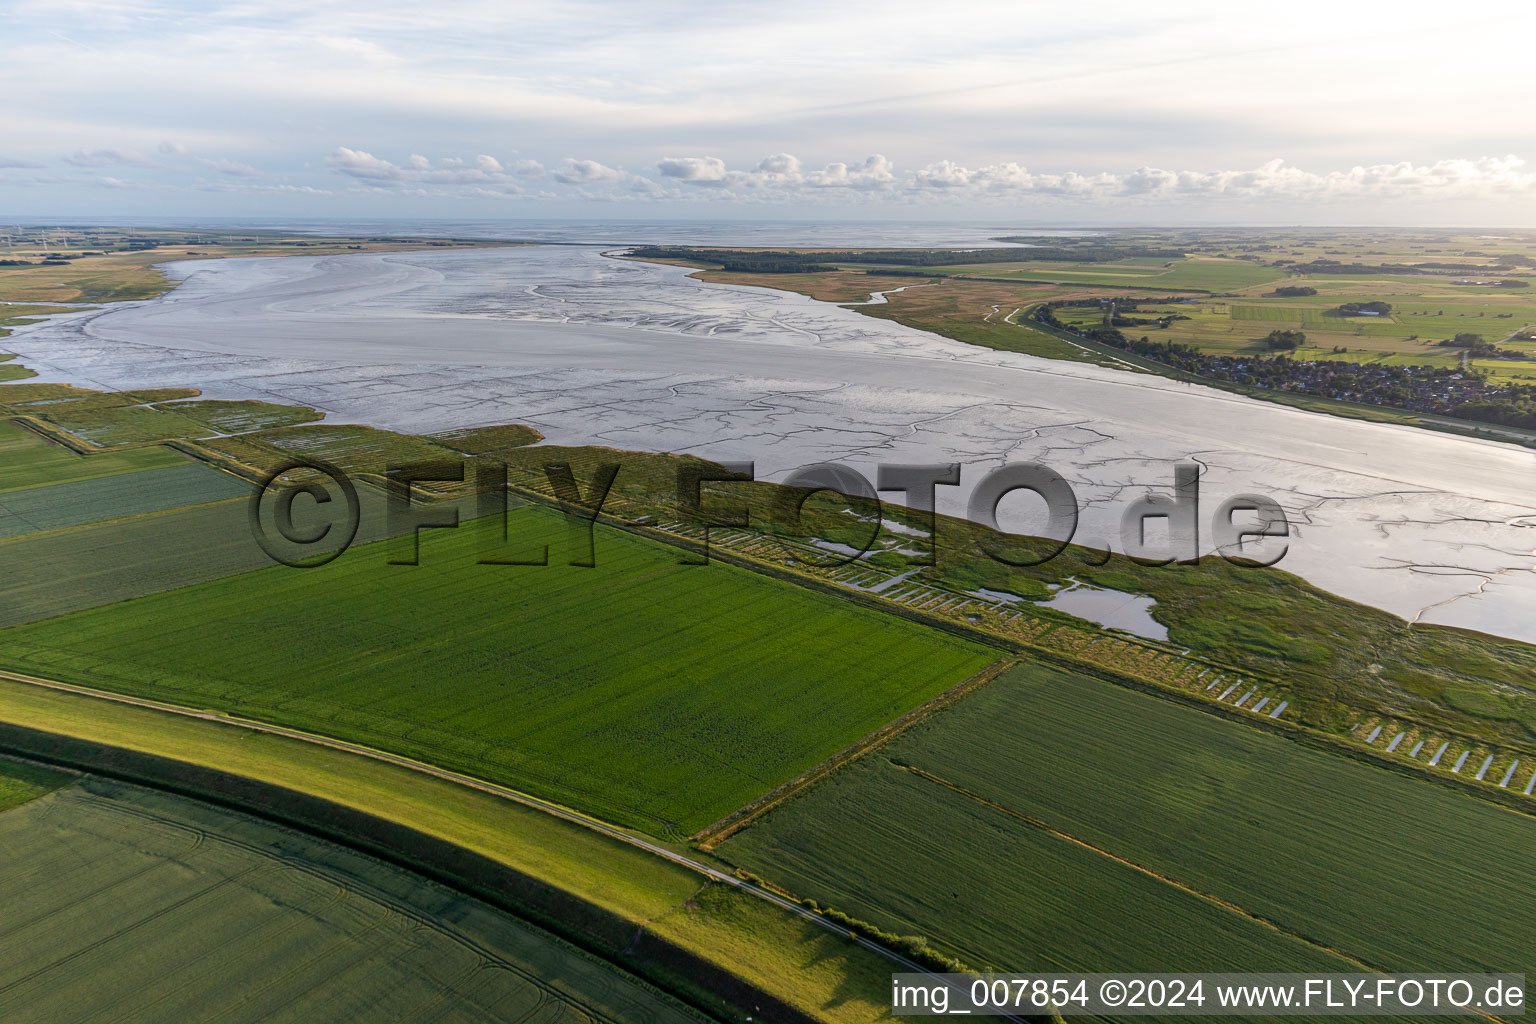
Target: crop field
[[96, 564], [810, 967], [1216, 275], [1178, 813], [114, 497], [22, 782], [126, 903], [660, 695], [27, 460], [1408, 336]]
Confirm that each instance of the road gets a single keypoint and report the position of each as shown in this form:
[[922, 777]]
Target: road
[[504, 792]]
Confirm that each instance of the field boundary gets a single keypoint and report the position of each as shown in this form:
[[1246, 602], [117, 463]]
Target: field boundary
[[712, 835]]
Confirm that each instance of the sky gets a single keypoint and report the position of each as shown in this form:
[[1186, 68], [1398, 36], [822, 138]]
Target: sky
[[1107, 112]]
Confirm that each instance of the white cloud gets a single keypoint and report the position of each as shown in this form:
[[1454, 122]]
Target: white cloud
[[103, 157], [1485, 178], [584, 172], [358, 164], [170, 148], [692, 168], [233, 168], [782, 178]]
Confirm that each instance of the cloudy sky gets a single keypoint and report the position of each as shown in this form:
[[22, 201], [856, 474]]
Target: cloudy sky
[[1104, 112]]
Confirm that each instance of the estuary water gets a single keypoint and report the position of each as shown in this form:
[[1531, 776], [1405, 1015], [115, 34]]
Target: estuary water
[[596, 350]]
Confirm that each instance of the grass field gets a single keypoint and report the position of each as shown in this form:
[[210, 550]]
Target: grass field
[[823, 974], [88, 566], [22, 782], [659, 695], [133, 904], [114, 497], [27, 460], [1207, 274], [1164, 803]]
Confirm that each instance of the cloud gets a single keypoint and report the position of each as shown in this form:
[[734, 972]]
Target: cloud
[[358, 164], [1485, 178], [784, 178], [233, 168], [692, 168], [584, 172], [170, 148], [103, 157], [484, 175], [252, 187], [873, 173], [6, 161], [118, 183]]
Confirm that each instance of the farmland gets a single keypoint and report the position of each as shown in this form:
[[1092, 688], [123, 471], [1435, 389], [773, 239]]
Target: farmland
[[30, 461], [626, 891], [1172, 816], [129, 902], [1222, 300], [114, 497], [656, 694], [22, 782]]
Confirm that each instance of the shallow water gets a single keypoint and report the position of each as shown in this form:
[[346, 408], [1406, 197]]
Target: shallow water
[[593, 350], [1113, 608]]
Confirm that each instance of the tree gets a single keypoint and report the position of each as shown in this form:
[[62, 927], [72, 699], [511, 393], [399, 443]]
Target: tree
[[1285, 340]]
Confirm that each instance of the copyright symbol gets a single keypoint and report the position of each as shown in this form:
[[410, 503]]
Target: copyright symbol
[[1112, 993], [322, 528]]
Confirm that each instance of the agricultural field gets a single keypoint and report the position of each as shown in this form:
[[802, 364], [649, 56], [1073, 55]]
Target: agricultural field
[[629, 890], [1161, 276], [1424, 313], [1132, 820], [31, 461], [22, 782], [124, 901], [659, 695], [101, 499], [96, 564]]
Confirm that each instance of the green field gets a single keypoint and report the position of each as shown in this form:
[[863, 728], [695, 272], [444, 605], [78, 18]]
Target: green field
[[1331, 853], [22, 782], [114, 497], [1216, 275], [88, 566], [27, 460], [657, 694], [626, 888], [125, 903]]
